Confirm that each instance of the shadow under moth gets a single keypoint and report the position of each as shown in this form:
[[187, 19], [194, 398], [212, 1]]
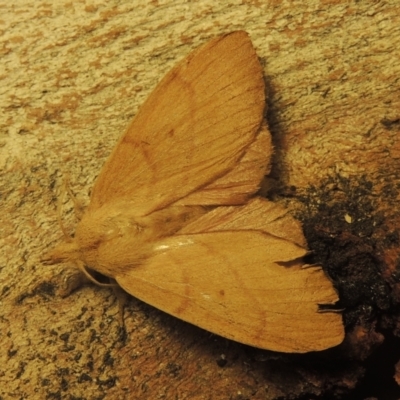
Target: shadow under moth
[[174, 220]]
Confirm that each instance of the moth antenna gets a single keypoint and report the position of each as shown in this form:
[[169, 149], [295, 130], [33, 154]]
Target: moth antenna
[[78, 206], [59, 212]]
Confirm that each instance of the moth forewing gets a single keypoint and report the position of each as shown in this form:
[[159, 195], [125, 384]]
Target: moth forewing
[[230, 284], [192, 129]]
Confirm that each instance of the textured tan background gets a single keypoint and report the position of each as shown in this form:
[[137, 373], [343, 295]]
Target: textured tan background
[[72, 75]]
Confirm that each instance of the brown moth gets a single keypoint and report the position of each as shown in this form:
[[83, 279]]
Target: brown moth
[[174, 220]]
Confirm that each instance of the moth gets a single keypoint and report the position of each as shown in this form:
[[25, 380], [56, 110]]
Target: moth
[[175, 220]]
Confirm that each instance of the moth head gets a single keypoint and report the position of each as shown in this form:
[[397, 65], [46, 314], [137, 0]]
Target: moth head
[[65, 251], [89, 234], [70, 251]]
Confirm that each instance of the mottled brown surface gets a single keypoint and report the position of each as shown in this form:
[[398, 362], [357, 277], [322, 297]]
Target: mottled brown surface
[[72, 76]]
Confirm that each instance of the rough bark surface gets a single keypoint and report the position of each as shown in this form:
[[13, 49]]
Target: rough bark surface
[[73, 74]]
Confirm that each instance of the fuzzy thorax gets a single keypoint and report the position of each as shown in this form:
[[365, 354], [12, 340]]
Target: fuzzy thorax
[[113, 238]]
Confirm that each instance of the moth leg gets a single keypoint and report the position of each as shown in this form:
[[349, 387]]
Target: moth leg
[[71, 281], [121, 295], [122, 298]]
